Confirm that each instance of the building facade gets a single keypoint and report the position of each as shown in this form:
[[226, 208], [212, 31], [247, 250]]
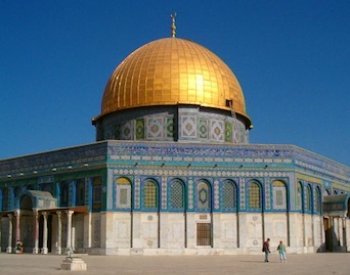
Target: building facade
[[172, 173]]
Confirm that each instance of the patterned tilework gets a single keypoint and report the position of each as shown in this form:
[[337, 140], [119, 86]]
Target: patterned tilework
[[170, 127], [177, 195], [228, 131], [154, 127], [267, 185], [137, 192], [203, 128], [193, 124], [217, 130], [281, 155], [126, 131], [188, 126], [216, 195], [140, 128], [242, 193], [164, 193], [190, 194]]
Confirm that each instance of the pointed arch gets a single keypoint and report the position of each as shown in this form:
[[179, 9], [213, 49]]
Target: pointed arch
[[229, 195], [318, 199], [151, 195], [203, 195], [123, 193], [254, 195], [299, 196], [177, 195], [308, 198], [279, 195]]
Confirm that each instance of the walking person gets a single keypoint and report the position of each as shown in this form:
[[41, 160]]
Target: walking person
[[266, 249], [281, 248]]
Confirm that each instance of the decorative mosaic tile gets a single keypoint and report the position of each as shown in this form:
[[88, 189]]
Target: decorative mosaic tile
[[228, 131], [140, 128], [190, 194], [217, 130], [164, 192], [126, 131], [169, 127], [154, 127], [203, 128], [267, 193], [242, 192], [137, 192], [216, 194], [188, 126]]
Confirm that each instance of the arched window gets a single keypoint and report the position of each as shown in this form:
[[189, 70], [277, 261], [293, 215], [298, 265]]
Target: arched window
[[229, 195], [279, 195], [308, 199], [150, 195], [177, 195], [299, 196], [254, 196], [123, 193], [203, 196], [318, 199]]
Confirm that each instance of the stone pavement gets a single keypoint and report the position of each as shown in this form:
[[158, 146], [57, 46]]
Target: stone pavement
[[315, 264]]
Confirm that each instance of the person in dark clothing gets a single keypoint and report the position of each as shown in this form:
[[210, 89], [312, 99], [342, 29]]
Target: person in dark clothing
[[266, 249]]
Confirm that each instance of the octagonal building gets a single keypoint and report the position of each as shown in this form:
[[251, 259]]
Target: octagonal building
[[172, 173]]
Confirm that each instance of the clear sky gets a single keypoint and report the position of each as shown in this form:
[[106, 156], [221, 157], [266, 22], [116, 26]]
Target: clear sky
[[292, 59]]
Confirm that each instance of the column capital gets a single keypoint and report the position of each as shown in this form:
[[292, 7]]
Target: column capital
[[17, 212], [10, 216], [69, 212]]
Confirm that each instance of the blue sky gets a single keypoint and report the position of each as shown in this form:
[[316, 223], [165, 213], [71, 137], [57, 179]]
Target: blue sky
[[292, 59]]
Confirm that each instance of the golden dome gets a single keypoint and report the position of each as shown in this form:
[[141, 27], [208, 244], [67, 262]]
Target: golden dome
[[173, 71]]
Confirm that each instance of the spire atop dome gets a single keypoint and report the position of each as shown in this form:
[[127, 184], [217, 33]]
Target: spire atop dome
[[173, 25]]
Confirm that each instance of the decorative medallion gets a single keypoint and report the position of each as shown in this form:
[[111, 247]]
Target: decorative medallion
[[188, 126], [217, 130], [203, 128], [154, 128], [170, 127], [140, 128]]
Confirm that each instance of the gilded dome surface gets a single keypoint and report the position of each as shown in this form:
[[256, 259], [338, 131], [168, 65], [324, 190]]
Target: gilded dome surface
[[172, 71]]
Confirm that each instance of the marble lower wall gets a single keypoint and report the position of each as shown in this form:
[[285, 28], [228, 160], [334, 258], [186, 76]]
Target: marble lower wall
[[225, 233], [153, 233]]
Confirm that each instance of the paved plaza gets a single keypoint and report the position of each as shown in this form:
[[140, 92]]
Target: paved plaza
[[316, 264]]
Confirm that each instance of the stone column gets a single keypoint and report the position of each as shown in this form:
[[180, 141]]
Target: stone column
[[59, 232], [36, 232], [9, 246], [18, 225], [69, 231], [44, 249]]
